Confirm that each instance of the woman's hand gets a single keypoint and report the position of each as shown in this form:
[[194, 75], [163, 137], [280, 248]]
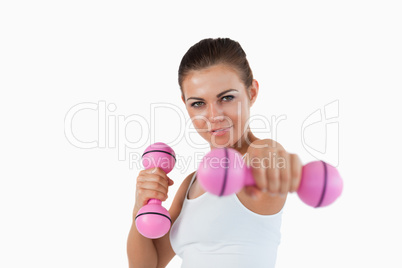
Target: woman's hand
[[151, 183], [275, 171]]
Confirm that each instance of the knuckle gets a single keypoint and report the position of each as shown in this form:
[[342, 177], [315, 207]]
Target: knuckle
[[165, 182], [140, 191], [162, 188], [154, 185], [140, 177], [155, 177], [160, 171], [161, 179], [152, 170], [156, 170]]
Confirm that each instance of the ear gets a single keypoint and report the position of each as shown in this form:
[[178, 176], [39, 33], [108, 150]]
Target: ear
[[253, 92]]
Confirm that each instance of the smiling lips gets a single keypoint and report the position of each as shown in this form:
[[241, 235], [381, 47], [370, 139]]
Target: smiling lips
[[220, 131]]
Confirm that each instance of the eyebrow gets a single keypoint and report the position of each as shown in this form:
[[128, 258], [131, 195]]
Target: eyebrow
[[218, 96]]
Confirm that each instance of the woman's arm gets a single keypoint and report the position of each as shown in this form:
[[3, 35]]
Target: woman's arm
[[162, 245], [276, 172], [143, 252]]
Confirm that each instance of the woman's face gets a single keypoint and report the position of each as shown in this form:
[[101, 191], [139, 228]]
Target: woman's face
[[218, 104]]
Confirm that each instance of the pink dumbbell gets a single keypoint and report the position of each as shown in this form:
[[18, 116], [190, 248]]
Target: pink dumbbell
[[153, 220], [223, 172]]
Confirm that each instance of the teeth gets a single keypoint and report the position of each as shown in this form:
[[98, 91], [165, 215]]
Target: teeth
[[222, 129]]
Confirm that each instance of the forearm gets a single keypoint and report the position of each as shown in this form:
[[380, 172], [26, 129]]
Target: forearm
[[141, 251]]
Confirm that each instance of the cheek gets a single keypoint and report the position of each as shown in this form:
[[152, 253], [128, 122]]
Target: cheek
[[199, 124], [241, 114], [198, 120], [239, 110]]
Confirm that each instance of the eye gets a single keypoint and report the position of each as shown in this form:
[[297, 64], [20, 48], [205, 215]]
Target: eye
[[227, 98], [197, 104]]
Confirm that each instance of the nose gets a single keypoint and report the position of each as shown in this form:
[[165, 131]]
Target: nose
[[215, 113]]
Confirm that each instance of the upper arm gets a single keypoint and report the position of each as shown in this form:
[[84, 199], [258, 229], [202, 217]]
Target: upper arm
[[163, 247]]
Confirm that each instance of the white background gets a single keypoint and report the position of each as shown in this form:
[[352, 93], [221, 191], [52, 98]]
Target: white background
[[66, 206]]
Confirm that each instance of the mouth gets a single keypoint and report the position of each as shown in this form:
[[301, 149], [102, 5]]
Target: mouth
[[219, 131]]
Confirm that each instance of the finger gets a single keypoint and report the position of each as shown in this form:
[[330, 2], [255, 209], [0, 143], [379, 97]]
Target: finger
[[258, 171], [284, 169], [153, 186], [253, 161], [154, 178], [273, 174], [157, 171], [296, 171], [170, 181], [147, 194]]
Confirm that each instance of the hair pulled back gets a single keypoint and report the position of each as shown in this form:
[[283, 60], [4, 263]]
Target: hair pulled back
[[209, 52]]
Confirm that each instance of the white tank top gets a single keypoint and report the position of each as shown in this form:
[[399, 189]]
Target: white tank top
[[213, 231]]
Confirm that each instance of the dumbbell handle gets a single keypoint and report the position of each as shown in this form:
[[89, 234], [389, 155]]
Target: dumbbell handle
[[154, 201]]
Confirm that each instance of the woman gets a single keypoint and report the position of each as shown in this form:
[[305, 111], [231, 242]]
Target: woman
[[240, 230]]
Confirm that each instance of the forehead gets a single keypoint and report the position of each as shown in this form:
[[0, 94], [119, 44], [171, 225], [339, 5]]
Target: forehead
[[211, 80]]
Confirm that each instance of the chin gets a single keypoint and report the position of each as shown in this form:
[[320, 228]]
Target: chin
[[221, 143]]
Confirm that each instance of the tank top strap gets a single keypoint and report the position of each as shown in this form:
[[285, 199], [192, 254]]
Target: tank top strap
[[189, 186]]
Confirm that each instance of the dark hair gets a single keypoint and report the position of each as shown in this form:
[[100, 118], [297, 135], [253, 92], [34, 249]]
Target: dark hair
[[209, 52]]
